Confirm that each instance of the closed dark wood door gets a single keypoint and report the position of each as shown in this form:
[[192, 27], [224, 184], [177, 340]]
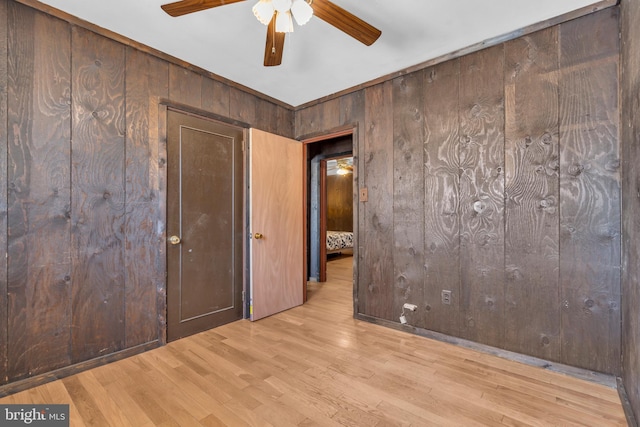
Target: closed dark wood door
[[204, 224]]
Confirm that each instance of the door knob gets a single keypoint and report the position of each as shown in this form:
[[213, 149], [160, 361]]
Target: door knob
[[174, 240], [257, 235]]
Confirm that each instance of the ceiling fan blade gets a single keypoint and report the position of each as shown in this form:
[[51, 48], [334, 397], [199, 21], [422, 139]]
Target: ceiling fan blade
[[274, 46], [345, 21], [184, 7]]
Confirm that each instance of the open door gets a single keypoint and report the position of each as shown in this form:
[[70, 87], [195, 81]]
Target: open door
[[276, 200]]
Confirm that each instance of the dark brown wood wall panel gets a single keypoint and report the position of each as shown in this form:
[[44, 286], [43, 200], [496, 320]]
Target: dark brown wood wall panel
[[441, 197], [307, 120], [39, 268], [109, 197], [3, 190], [630, 127], [352, 108], [185, 87], [330, 115], [142, 208], [376, 283], [532, 294], [286, 121], [318, 118], [340, 202], [408, 207], [85, 147], [98, 196], [590, 192], [482, 195], [242, 106], [264, 117], [215, 97], [532, 265]]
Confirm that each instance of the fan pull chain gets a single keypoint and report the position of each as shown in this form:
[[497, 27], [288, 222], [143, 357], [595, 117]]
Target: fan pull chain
[[273, 39]]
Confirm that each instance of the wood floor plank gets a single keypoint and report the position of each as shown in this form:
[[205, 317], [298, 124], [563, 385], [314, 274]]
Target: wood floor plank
[[315, 365]]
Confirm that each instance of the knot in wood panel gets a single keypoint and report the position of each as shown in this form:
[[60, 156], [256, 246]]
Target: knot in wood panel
[[432, 76], [476, 111], [402, 281], [575, 170], [527, 141], [471, 323], [513, 273], [465, 141], [479, 206], [547, 138], [548, 204], [612, 165]]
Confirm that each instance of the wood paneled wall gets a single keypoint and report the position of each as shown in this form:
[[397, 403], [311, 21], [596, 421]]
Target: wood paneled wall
[[340, 202], [630, 85], [79, 189], [496, 176]]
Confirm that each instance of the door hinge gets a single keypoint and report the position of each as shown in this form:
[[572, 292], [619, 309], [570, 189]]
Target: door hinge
[[243, 145], [243, 295]]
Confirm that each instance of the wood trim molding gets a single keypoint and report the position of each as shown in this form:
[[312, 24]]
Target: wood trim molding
[[604, 4], [580, 373], [305, 223], [74, 20], [626, 404], [349, 129], [67, 371], [323, 221], [161, 224], [198, 112]]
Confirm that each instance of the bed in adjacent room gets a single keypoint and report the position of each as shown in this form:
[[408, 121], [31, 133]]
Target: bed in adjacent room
[[337, 241]]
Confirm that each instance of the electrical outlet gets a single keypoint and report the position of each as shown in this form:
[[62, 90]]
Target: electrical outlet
[[446, 296], [411, 307], [364, 194]]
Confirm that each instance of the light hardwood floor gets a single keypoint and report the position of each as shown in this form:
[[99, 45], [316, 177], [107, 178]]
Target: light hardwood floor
[[316, 365]]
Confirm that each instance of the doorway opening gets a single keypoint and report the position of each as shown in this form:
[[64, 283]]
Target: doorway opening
[[331, 212]]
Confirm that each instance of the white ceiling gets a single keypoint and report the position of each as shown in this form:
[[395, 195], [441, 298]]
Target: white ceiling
[[318, 60]]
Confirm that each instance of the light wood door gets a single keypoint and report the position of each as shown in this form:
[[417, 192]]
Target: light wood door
[[204, 224], [277, 223]]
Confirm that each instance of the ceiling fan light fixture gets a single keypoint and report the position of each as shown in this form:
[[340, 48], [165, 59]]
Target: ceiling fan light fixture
[[301, 11], [281, 6], [284, 23], [264, 10]]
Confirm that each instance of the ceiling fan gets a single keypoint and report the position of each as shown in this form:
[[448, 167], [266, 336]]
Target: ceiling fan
[[277, 14]]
